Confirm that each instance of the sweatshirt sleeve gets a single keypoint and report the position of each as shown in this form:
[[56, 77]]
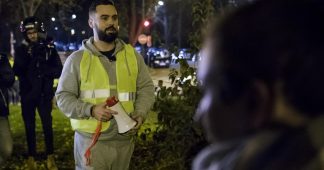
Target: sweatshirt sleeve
[[68, 89], [145, 89]]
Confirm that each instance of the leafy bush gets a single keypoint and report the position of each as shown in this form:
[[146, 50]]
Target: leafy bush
[[177, 139]]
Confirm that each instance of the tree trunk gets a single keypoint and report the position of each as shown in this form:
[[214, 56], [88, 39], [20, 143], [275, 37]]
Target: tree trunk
[[179, 25], [132, 22], [31, 5], [36, 4], [23, 6], [167, 28]]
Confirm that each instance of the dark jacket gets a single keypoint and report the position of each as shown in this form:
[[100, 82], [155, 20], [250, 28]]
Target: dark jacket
[[36, 66], [276, 148], [7, 78]]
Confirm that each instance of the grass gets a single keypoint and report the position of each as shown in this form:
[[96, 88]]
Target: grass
[[63, 140]]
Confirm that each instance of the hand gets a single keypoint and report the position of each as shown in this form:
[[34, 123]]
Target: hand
[[101, 112], [139, 120]]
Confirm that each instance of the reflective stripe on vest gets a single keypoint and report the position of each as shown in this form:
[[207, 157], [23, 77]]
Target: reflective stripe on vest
[[95, 87], [102, 93]]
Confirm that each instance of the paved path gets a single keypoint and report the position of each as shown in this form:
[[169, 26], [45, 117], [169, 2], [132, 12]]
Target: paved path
[[163, 73], [160, 74]]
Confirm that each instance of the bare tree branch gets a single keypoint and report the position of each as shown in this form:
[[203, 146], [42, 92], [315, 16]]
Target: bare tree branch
[[23, 6], [37, 4], [31, 6]]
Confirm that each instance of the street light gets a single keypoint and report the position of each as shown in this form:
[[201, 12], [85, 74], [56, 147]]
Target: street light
[[73, 16], [72, 31], [56, 28], [161, 3], [146, 23], [53, 19]]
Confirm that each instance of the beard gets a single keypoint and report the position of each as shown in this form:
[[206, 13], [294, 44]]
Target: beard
[[107, 37]]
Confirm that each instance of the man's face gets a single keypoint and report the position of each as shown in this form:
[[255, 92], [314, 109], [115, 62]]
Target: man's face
[[220, 120], [105, 23], [32, 35]]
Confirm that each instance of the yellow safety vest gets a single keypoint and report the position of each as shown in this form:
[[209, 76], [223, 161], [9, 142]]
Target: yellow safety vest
[[95, 87], [11, 62]]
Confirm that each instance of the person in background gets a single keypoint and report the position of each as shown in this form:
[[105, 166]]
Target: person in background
[[105, 66], [7, 78], [13, 91], [262, 76], [37, 64]]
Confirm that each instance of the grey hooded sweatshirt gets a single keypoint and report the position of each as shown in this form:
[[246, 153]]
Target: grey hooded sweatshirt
[[68, 90]]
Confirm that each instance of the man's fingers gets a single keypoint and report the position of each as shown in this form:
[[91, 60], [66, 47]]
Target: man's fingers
[[103, 105], [136, 126], [103, 119], [109, 111]]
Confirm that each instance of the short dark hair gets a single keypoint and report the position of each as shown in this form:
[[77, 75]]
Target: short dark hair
[[271, 41], [95, 3]]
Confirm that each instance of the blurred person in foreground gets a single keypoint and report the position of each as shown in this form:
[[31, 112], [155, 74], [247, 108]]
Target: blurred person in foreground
[[263, 85], [105, 66], [7, 79], [37, 64]]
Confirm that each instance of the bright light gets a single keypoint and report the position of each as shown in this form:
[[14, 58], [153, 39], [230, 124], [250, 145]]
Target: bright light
[[83, 32], [161, 3], [56, 28], [146, 23], [53, 19], [72, 31], [73, 16]]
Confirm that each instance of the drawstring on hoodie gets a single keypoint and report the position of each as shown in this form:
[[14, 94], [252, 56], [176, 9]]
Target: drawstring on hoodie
[[89, 65], [129, 73]]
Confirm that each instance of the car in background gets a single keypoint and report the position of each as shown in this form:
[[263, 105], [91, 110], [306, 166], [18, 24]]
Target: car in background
[[158, 57], [138, 49], [182, 53], [196, 57]]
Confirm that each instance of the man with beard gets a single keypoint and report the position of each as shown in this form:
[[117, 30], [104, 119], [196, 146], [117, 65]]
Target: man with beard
[[105, 66]]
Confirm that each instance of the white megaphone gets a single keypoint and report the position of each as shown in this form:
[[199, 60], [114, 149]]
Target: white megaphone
[[124, 122]]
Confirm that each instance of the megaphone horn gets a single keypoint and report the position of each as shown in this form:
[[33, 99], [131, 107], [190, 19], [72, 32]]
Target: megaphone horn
[[124, 122]]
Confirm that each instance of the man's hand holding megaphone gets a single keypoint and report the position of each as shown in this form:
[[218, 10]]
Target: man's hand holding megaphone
[[101, 112], [139, 120], [126, 124]]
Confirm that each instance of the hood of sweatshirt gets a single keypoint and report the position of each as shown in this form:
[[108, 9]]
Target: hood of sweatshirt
[[87, 44]]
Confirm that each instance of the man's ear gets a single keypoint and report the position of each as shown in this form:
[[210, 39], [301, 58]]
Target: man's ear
[[91, 22]]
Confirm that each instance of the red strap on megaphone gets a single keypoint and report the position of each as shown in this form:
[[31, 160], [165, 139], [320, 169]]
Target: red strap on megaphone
[[95, 137], [110, 102]]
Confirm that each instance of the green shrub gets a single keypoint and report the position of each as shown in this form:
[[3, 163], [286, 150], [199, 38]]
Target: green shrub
[[177, 139]]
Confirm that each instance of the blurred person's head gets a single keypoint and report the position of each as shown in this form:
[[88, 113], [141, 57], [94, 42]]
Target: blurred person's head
[[32, 29], [103, 19], [262, 63], [160, 83]]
